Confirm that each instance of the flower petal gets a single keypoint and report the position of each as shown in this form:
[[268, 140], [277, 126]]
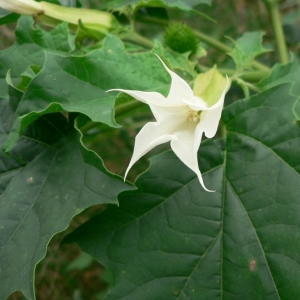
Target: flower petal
[[196, 103], [179, 89], [158, 105], [210, 118], [145, 97], [186, 147], [150, 136], [169, 114]]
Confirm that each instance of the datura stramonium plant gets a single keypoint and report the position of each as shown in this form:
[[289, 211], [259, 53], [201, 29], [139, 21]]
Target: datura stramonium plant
[[182, 117]]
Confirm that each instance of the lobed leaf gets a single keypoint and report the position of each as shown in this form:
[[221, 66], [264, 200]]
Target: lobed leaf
[[246, 48], [50, 178], [172, 240], [79, 84], [29, 49]]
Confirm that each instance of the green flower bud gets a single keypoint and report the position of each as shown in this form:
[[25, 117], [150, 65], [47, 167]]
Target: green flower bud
[[181, 38]]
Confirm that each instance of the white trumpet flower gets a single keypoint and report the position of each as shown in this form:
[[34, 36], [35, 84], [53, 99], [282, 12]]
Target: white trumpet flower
[[181, 118]]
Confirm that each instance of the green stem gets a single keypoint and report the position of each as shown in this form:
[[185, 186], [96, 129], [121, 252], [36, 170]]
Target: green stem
[[223, 130], [255, 76], [246, 86], [224, 48], [138, 39], [249, 76], [273, 6], [212, 41], [207, 39], [124, 108]]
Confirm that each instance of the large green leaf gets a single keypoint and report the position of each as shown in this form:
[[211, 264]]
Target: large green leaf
[[50, 178], [79, 84], [29, 49], [172, 240]]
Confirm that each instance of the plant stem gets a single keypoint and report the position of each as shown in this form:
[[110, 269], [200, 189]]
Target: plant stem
[[207, 39], [246, 86], [249, 76], [224, 48], [273, 6], [254, 76], [138, 39], [127, 107]]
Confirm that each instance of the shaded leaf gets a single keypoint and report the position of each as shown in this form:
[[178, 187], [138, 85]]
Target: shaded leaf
[[172, 240], [51, 178], [6, 17]]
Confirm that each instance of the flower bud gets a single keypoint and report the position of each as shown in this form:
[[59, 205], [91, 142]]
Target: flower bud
[[92, 19], [181, 38]]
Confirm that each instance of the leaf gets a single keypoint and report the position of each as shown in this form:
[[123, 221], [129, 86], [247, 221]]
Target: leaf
[[280, 74], [172, 240], [79, 84], [58, 40], [246, 48], [6, 17], [29, 49], [183, 5], [51, 178], [177, 61], [8, 165]]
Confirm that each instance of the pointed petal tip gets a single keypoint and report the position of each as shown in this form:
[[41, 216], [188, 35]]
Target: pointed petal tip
[[202, 182], [127, 170], [112, 90], [163, 63], [206, 189], [228, 84], [157, 56]]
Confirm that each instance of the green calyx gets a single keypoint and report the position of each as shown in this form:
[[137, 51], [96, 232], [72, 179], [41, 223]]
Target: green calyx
[[181, 38], [210, 86]]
